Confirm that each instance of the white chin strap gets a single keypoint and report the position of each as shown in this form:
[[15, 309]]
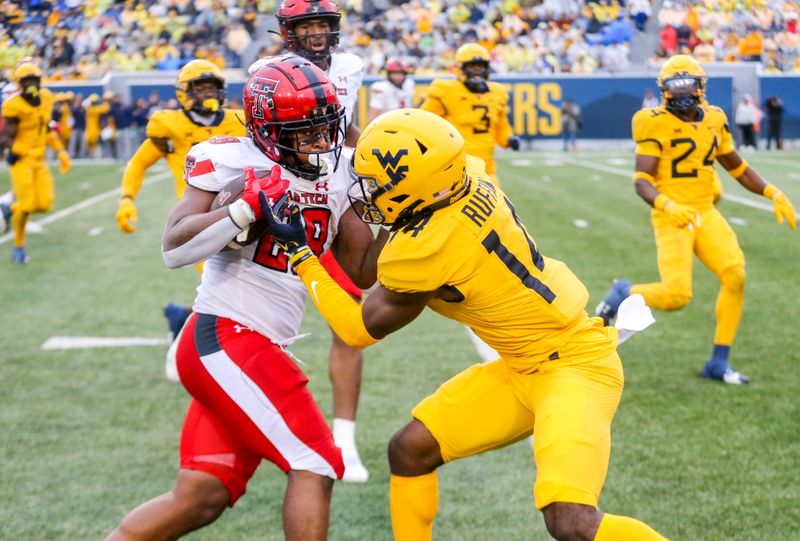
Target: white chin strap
[[324, 164]]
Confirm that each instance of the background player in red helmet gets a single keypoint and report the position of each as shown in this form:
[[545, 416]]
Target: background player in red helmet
[[310, 28]]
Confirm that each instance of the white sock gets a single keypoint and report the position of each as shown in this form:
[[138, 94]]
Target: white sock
[[344, 434]]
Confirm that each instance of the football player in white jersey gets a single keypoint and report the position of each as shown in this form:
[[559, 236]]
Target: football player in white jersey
[[249, 398], [310, 28], [394, 92]]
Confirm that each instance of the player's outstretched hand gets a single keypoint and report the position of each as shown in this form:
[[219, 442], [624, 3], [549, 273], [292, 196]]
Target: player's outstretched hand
[[284, 223], [783, 209], [514, 142], [64, 161], [126, 215]]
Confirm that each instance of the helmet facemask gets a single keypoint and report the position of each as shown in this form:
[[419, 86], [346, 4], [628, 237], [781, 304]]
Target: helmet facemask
[[682, 93], [476, 76], [310, 46], [207, 106], [280, 141], [29, 88]]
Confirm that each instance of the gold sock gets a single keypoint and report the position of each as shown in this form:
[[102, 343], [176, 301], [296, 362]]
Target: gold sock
[[19, 219], [414, 502], [729, 305], [660, 297], [619, 528]]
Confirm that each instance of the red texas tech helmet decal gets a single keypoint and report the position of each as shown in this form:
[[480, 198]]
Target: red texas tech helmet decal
[[263, 88]]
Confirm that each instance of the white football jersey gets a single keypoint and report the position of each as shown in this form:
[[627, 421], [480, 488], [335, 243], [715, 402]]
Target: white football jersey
[[254, 285], [384, 96], [346, 72]]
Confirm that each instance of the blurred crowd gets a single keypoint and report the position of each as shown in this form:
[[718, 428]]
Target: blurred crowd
[[74, 40], [732, 31]]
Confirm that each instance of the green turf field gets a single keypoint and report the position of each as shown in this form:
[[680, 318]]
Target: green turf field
[[87, 434]]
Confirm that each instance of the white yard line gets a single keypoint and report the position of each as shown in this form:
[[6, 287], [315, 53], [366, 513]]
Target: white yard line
[[746, 201], [63, 213], [86, 342]]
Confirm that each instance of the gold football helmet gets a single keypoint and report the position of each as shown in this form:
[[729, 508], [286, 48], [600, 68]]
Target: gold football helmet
[[198, 71], [682, 82], [26, 69], [472, 67], [406, 162]]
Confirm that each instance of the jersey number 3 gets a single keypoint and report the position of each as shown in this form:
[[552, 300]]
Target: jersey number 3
[[484, 119]]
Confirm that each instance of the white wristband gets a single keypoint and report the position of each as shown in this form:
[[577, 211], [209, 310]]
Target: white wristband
[[241, 213]]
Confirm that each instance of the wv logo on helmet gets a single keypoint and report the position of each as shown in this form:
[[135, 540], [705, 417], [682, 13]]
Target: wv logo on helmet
[[390, 163]]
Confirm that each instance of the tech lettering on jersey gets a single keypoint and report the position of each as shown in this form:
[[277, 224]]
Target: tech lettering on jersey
[[481, 204]]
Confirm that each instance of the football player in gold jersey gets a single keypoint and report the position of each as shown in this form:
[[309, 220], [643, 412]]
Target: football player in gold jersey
[[25, 133], [676, 147], [458, 247], [477, 107], [200, 89]]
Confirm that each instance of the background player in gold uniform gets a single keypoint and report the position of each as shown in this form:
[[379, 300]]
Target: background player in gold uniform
[[477, 107], [459, 248], [26, 133], [200, 89], [676, 147]]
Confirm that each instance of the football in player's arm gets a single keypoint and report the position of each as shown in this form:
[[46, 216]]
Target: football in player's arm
[[458, 247], [677, 146], [476, 106], [232, 358]]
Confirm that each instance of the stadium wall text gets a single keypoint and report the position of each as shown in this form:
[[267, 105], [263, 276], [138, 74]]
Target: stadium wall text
[[607, 102]]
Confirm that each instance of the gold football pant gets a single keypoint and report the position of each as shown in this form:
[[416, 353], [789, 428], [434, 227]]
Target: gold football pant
[[717, 247], [32, 184], [567, 407]]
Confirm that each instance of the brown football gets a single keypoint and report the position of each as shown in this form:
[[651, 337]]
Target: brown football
[[228, 194]]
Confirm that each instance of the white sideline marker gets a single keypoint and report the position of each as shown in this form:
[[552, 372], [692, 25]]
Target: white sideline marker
[[522, 163], [88, 342]]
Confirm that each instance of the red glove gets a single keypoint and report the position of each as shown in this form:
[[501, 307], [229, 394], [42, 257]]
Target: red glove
[[273, 187]]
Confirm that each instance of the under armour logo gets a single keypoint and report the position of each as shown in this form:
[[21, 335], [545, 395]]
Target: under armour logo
[[263, 88], [321, 186], [343, 78], [240, 328], [390, 163]]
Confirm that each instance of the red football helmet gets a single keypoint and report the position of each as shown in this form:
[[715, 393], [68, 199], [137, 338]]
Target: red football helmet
[[293, 12], [286, 95], [396, 65]]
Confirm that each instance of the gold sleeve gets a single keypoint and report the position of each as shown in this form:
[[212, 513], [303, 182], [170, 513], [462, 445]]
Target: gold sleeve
[[342, 313], [145, 156], [645, 135]]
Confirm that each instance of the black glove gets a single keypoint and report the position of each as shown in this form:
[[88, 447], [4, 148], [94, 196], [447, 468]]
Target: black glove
[[12, 158], [513, 142], [291, 236]]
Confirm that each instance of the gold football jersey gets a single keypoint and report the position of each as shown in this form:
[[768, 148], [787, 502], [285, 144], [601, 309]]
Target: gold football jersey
[[482, 119], [491, 276], [181, 134], [686, 151], [31, 135]]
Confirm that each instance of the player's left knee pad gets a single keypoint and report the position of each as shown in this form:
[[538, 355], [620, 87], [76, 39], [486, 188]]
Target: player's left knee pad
[[733, 278]]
